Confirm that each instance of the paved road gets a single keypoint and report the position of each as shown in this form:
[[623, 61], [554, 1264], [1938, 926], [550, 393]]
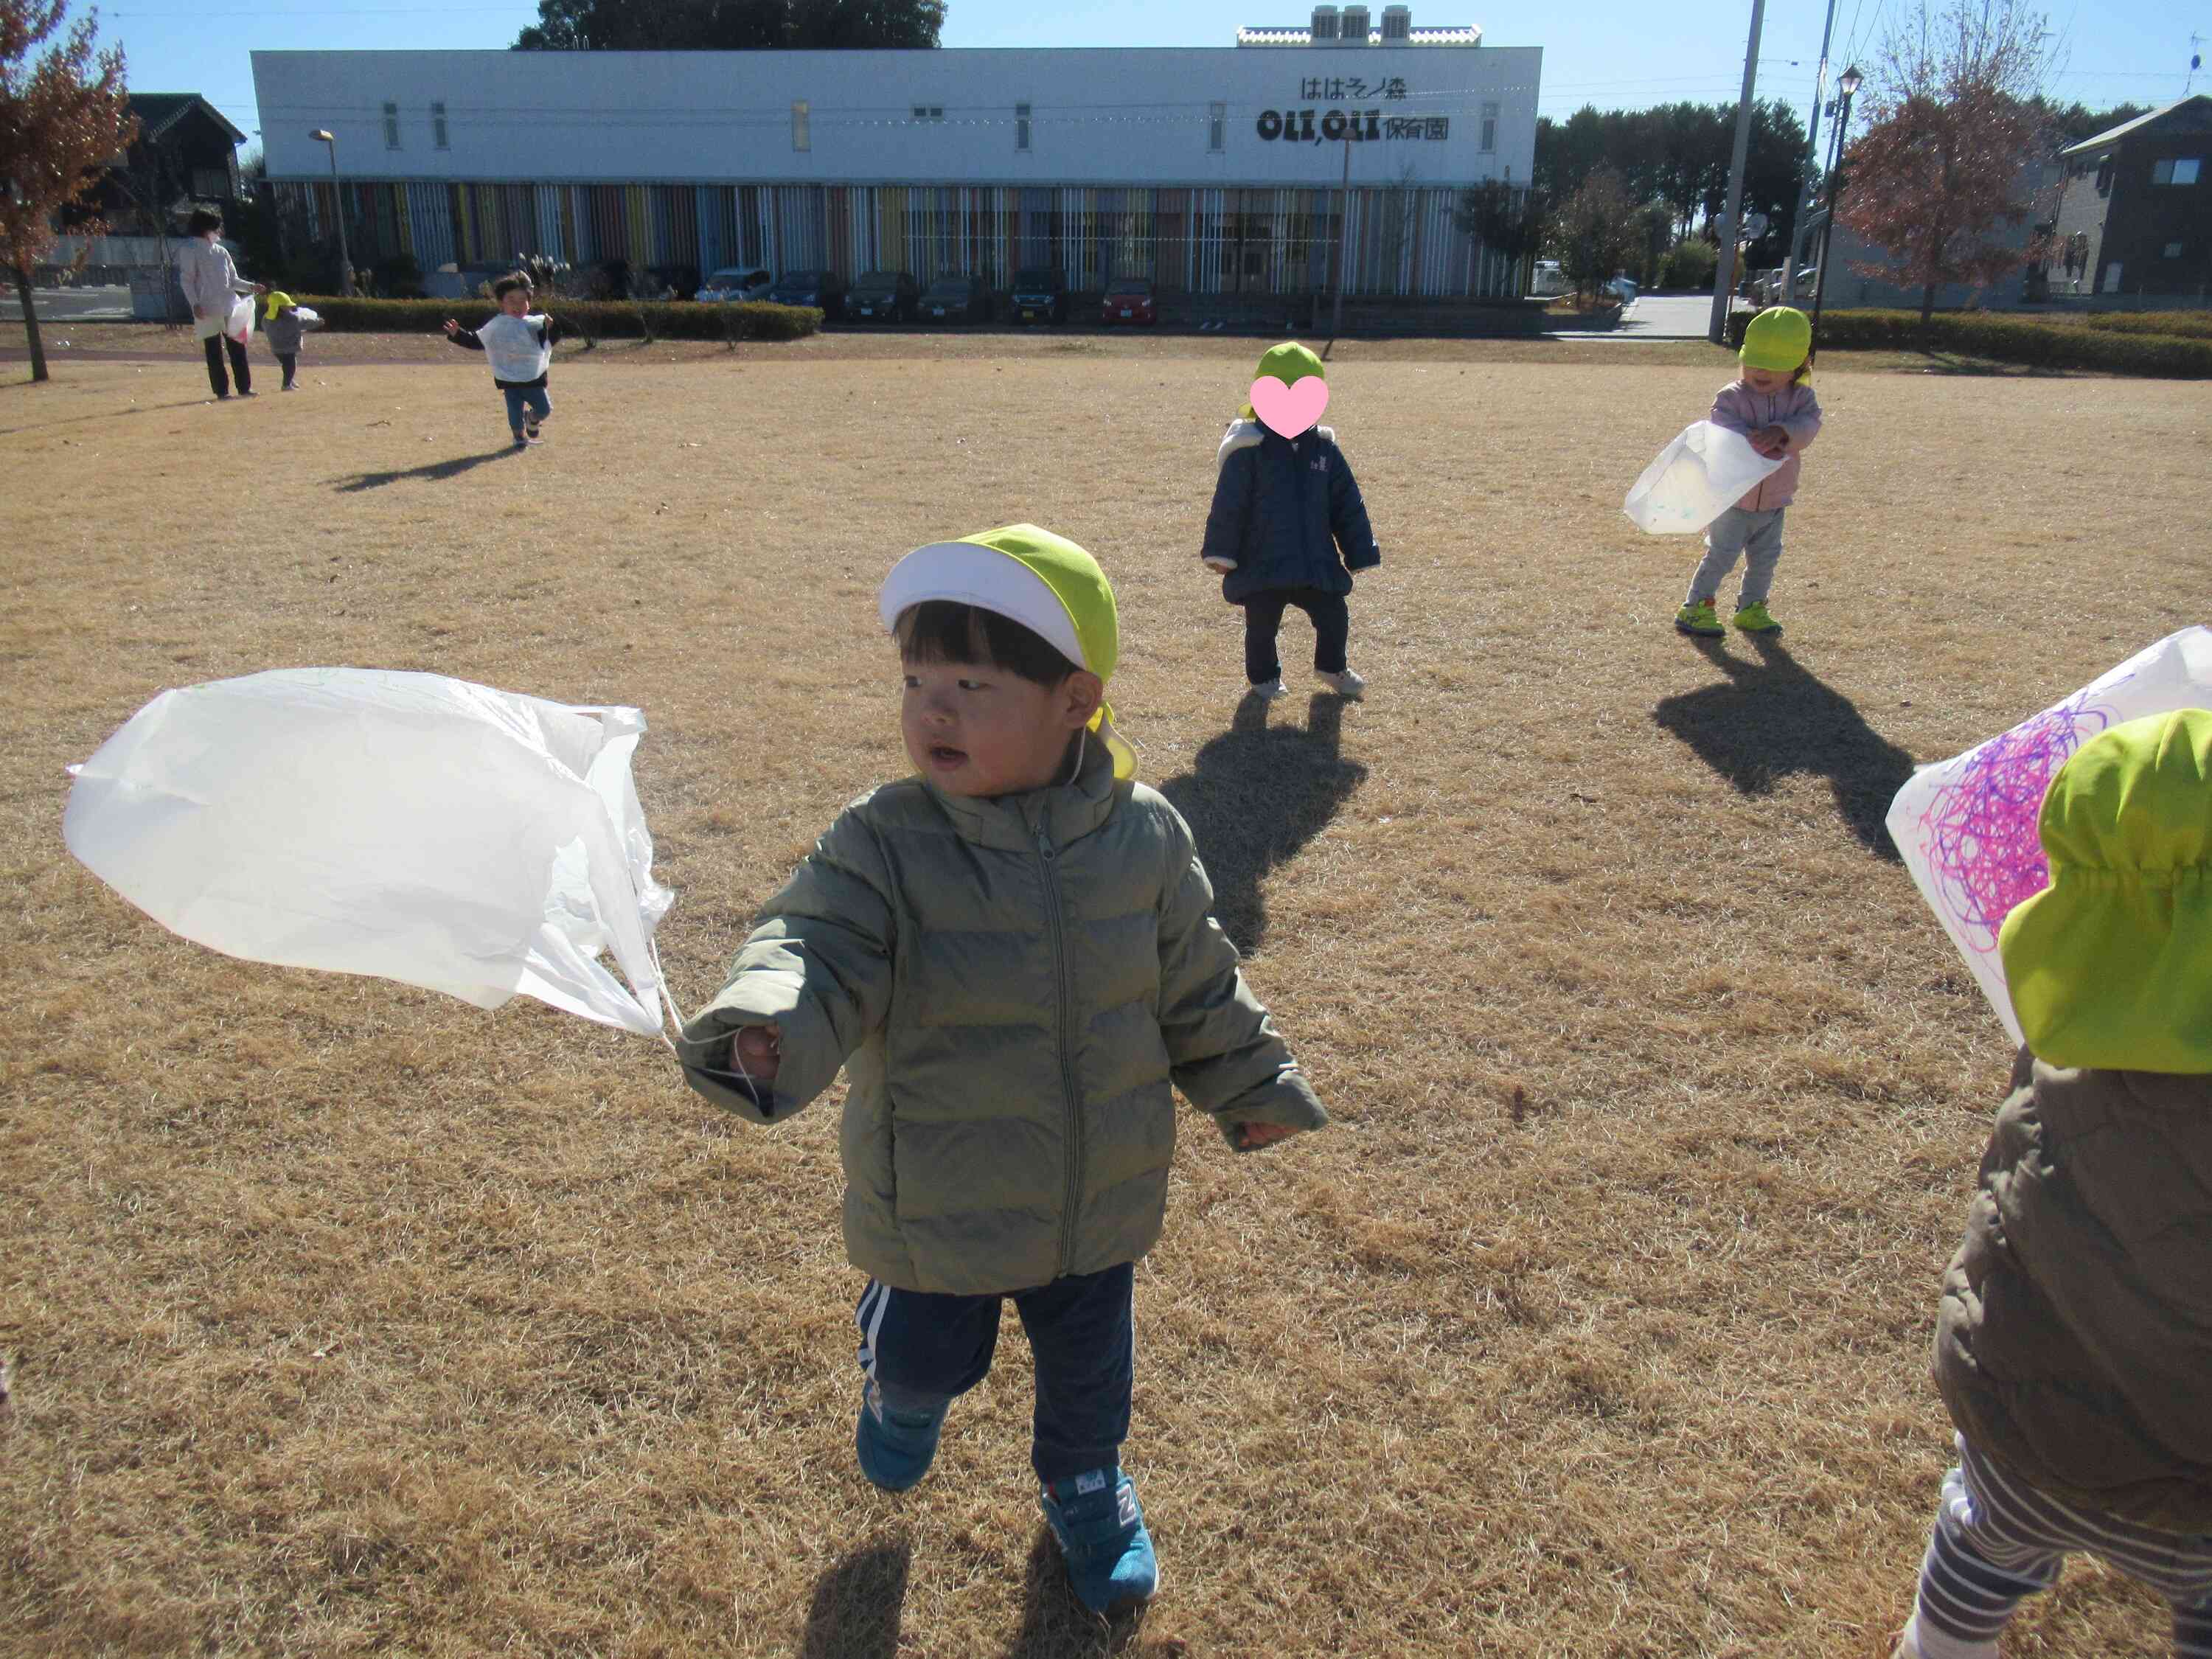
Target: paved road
[[69, 305], [1655, 317]]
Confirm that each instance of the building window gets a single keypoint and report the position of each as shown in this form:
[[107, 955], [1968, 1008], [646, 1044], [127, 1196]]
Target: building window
[[1021, 126], [2105, 177], [2182, 172], [1489, 128], [800, 137], [2173, 250], [438, 125], [1217, 127], [929, 111], [392, 126]]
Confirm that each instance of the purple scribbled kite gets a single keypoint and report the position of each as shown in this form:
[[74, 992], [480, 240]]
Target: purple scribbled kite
[[1979, 835]]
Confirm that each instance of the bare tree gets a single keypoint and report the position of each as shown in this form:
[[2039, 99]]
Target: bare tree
[[1946, 170]]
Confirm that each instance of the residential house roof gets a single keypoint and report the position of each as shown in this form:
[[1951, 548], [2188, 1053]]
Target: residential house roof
[[2115, 134], [157, 112]]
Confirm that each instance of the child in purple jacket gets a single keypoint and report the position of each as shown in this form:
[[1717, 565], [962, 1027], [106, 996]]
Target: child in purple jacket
[[1771, 404]]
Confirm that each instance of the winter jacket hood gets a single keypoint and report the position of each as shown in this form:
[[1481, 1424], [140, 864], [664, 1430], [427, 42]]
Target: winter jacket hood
[[1013, 985], [2073, 1344]]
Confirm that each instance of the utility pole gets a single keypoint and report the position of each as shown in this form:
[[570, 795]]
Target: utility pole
[[1343, 234], [1813, 156], [1724, 272]]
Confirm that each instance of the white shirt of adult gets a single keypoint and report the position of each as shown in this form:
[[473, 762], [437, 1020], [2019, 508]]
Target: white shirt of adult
[[210, 281]]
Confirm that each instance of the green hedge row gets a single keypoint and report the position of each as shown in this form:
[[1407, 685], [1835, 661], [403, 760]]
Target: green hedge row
[[2191, 324], [2052, 345], [612, 319]]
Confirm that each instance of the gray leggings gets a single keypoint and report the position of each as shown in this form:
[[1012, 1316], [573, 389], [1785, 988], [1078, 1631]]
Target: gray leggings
[[1756, 538]]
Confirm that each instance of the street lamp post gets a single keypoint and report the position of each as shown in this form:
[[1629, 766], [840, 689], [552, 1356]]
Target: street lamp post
[[1847, 85], [337, 208]]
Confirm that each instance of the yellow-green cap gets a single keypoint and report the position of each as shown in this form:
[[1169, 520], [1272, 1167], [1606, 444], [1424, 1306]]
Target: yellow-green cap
[[1779, 337], [1045, 582], [1290, 362], [2111, 965]]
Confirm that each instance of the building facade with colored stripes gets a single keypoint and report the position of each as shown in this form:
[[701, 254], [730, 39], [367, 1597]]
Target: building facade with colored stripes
[[1232, 171]]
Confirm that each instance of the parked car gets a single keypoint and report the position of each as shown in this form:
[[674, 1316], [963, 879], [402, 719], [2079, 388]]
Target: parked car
[[734, 282], [885, 296], [1041, 293], [1766, 287], [1128, 299], [821, 289], [956, 300], [1547, 281]]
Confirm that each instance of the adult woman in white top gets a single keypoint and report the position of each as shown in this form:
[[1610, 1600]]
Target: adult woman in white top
[[212, 283]]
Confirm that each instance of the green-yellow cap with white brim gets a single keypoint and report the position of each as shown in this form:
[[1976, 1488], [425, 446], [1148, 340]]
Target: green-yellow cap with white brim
[[1045, 582]]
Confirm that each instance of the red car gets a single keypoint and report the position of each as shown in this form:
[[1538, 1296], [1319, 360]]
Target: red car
[[1128, 299]]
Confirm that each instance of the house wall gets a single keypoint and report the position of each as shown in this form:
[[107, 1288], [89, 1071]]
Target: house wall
[[2160, 235]]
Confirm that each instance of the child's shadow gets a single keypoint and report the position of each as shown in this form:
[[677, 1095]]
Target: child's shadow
[[854, 1613], [452, 468], [1256, 795], [1773, 718], [1055, 1626]]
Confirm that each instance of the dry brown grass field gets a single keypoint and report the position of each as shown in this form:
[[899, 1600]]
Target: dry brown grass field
[[347, 1320]]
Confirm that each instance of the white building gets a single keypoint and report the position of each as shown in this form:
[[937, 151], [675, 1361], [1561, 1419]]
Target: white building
[[1211, 171]]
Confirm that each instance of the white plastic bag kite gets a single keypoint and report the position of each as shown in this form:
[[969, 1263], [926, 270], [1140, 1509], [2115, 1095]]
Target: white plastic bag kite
[[1698, 476], [1966, 826], [240, 323], [410, 826], [308, 315]]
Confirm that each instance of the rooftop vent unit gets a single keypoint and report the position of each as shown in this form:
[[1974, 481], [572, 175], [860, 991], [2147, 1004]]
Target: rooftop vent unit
[[1354, 26], [1324, 26], [1397, 26]]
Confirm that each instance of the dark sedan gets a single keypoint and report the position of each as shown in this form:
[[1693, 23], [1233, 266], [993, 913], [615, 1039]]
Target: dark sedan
[[883, 296], [823, 289], [956, 300]]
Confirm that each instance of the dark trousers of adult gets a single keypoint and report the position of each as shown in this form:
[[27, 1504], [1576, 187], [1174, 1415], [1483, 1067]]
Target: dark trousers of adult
[[1263, 618], [923, 1350], [216, 344], [290, 363]]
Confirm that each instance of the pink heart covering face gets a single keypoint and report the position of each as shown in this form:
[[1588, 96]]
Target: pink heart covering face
[[1290, 409]]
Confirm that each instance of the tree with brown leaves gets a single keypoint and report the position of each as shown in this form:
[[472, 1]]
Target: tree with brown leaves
[[1945, 170], [64, 120]]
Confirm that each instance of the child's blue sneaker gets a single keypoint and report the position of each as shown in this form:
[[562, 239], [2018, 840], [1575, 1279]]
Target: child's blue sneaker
[[896, 1448], [1101, 1528]]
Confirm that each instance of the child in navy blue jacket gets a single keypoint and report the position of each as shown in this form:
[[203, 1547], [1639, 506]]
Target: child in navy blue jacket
[[1288, 528]]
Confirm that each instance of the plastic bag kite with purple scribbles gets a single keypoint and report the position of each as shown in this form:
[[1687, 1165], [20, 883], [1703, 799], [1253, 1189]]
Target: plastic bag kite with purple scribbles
[[1967, 826]]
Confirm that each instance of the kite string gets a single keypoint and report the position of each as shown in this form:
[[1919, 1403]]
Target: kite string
[[762, 1098]]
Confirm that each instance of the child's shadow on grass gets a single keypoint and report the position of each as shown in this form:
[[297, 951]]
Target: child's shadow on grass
[[855, 1611], [452, 468], [1256, 795], [1055, 1626], [1775, 717]]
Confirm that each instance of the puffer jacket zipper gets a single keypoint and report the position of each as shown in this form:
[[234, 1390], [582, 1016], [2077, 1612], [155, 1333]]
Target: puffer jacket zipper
[[1046, 862]]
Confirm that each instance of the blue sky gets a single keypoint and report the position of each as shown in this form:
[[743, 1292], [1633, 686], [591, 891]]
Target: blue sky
[[1614, 54]]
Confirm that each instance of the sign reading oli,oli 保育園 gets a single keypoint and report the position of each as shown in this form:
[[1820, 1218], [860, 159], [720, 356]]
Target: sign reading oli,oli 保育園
[[1314, 126]]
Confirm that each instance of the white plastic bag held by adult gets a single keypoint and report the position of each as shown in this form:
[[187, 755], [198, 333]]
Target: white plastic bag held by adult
[[1967, 826], [421, 828], [240, 325], [1706, 471]]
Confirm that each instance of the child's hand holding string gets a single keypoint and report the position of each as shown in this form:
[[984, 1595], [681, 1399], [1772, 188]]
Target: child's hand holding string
[[1771, 440], [757, 1051]]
